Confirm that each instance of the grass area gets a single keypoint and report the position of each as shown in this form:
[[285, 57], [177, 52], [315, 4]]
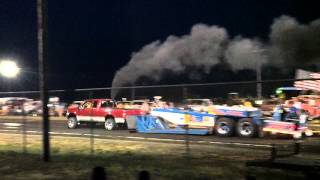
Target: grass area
[[72, 159]]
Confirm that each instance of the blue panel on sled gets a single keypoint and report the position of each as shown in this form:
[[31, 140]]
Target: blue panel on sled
[[151, 124], [177, 131], [197, 116]]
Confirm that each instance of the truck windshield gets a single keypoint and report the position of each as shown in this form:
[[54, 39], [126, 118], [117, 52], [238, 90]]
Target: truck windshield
[[106, 104]]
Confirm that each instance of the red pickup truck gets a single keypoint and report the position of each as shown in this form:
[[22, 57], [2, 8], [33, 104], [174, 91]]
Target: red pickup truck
[[99, 111]]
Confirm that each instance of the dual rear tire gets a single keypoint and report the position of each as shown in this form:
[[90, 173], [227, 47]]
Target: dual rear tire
[[247, 128], [227, 127], [224, 127]]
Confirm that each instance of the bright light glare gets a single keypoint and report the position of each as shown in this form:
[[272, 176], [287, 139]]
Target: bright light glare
[[9, 68]]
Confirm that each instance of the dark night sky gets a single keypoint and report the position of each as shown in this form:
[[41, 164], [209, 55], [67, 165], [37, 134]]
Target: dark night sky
[[90, 40]]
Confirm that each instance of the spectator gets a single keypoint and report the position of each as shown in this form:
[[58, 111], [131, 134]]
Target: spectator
[[247, 103], [279, 113], [144, 175], [164, 105], [120, 105], [145, 107], [303, 117], [99, 173], [292, 114]]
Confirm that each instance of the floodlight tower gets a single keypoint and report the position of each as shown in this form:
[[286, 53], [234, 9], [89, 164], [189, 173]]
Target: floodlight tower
[[9, 68]]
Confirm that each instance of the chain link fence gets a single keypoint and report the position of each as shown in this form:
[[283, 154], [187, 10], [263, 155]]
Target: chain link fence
[[19, 118]]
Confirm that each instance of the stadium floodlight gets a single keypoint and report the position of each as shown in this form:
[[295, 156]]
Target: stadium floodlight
[[9, 68]]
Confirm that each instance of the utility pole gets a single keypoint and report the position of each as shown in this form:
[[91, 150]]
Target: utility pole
[[258, 74], [42, 29], [258, 71], [133, 92]]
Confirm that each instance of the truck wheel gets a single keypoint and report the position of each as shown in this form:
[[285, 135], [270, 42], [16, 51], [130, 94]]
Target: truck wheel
[[309, 132], [33, 113], [297, 135], [246, 128], [109, 124], [224, 127], [72, 122]]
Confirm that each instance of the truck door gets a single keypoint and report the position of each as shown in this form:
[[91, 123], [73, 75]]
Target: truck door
[[85, 111], [98, 112]]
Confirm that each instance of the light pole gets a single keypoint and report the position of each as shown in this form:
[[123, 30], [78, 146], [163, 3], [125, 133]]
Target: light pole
[[259, 58], [258, 74]]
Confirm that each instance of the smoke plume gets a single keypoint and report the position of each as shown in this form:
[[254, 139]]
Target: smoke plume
[[291, 43], [244, 54]]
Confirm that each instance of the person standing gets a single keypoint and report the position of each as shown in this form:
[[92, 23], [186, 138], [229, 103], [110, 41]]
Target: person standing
[[303, 117], [145, 107]]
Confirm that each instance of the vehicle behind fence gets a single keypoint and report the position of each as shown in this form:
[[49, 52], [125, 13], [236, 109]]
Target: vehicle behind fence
[[25, 107]]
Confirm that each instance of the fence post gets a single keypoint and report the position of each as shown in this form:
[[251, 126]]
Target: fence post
[[187, 140], [24, 133], [184, 92], [297, 146], [91, 124], [273, 152]]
